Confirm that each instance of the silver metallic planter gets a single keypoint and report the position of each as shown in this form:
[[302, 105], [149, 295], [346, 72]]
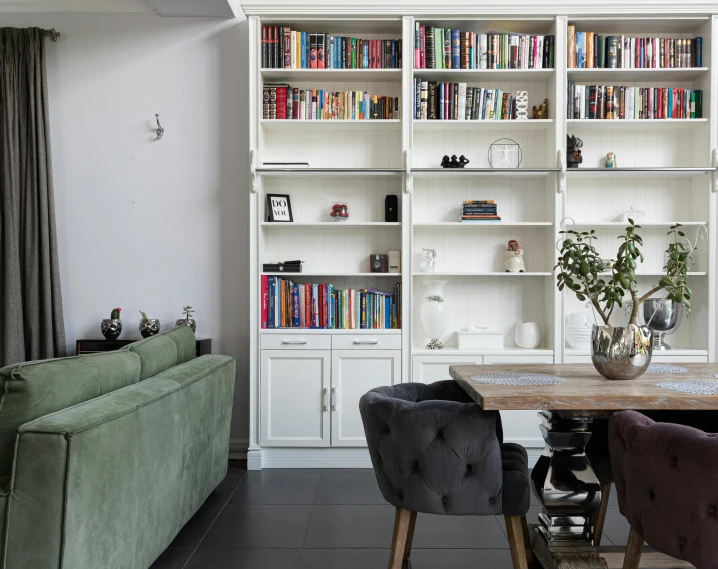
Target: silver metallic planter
[[663, 317], [187, 322], [111, 328], [149, 327], [621, 353]]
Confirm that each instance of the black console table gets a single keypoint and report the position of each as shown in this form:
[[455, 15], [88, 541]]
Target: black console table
[[204, 346]]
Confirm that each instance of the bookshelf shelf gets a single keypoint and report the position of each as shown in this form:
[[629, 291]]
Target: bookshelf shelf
[[486, 274], [513, 125], [621, 75], [333, 331], [591, 224], [487, 172], [635, 124], [329, 274], [293, 172], [483, 75], [290, 124], [328, 224], [372, 75], [655, 172], [485, 352], [475, 225]]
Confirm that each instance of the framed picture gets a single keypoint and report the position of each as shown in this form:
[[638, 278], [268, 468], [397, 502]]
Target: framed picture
[[279, 208]]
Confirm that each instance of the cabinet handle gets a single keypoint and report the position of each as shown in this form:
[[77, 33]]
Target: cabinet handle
[[366, 341], [294, 342], [334, 398], [324, 398]]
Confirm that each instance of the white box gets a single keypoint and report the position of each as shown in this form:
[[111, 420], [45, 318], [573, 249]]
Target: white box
[[393, 261], [479, 340]]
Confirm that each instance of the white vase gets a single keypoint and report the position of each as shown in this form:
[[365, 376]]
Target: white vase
[[527, 335], [434, 314]]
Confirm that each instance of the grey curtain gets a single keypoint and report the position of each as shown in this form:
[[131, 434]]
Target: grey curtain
[[31, 323]]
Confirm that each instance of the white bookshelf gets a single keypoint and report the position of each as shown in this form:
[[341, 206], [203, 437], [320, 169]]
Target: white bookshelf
[[666, 168]]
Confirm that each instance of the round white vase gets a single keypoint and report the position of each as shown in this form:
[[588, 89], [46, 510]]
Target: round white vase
[[434, 314], [527, 335]]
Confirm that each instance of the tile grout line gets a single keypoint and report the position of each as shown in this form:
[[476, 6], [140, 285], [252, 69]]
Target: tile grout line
[[214, 520], [309, 521]]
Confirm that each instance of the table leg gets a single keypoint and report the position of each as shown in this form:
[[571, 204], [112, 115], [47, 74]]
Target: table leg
[[564, 480]]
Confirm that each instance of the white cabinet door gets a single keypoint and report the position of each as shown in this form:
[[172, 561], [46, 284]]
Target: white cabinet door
[[295, 398], [354, 372], [521, 426], [428, 369]]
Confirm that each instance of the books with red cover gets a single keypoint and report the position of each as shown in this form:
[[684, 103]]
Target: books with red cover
[[265, 300]]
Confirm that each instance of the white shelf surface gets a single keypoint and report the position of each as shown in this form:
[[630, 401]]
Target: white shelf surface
[[283, 274], [287, 75], [487, 172], [506, 351], [621, 75], [328, 224], [486, 274], [662, 273], [536, 124], [474, 75], [293, 172], [672, 352], [592, 224], [636, 172], [310, 331], [475, 224], [635, 124], [292, 124]]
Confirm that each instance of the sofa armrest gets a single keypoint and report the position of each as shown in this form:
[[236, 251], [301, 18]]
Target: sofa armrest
[[110, 482]]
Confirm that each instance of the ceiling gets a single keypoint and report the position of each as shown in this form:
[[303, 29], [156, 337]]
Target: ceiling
[[212, 8]]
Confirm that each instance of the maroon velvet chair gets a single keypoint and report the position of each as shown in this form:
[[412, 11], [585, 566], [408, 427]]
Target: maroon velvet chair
[[666, 477]]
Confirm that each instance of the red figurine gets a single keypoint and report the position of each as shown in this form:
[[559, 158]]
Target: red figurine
[[340, 212]]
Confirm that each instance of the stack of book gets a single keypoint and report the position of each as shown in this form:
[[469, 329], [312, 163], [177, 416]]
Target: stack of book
[[620, 102], [457, 101], [281, 101], [479, 211], [284, 48], [286, 304], [442, 48], [593, 50]]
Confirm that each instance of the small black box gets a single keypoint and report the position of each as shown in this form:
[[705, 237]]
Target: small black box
[[391, 209], [377, 263]]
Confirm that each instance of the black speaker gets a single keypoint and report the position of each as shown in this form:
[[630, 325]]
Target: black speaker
[[391, 208]]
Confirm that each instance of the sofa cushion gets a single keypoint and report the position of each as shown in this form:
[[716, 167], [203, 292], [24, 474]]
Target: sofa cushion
[[34, 389], [165, 350]]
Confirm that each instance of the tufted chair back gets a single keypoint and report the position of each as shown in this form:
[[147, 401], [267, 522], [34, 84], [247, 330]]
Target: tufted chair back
[[436, 451], [666, 477]]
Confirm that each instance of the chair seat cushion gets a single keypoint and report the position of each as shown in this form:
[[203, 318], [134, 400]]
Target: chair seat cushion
[[515, 494]]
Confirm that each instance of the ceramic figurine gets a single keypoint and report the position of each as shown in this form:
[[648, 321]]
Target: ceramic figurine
[[463, 161], [573, 148], [454, 162], [340, 212], [522, 106], [514, 258], [610, 160], [542, 111], [445, 162]]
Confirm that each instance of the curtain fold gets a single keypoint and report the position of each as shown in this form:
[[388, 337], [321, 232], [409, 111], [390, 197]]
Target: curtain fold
[[31, 320]]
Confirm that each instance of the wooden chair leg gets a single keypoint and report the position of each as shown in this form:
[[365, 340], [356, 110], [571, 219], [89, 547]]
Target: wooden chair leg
[[599, 516], [527, 540], [633, 550], [517, 545], [410, 535], [402, 523]]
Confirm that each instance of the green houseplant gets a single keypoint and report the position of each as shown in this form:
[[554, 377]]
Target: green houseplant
[[112, 327], [188, 311], [608, 284]]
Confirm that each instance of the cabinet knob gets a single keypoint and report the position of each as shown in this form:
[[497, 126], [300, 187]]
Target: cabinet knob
[[300, 342]]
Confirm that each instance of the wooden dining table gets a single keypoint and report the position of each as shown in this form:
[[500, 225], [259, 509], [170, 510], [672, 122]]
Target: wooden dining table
[[563, 479]]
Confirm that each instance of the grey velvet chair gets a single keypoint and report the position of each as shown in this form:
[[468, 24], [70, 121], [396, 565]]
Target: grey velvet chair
[[666, 478], [435, 451]]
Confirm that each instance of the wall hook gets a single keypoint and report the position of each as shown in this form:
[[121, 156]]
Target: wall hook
[[160, 131]]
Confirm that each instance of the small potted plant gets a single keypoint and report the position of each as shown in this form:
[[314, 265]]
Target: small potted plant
[[187, 320], [148, 326], [621, 352], [112, 327]]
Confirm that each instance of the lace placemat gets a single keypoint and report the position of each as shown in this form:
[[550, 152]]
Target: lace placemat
[[503, 378], [699, 386], [660, 369]]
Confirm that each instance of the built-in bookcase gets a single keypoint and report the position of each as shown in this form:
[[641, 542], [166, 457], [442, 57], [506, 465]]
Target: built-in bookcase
[[666, 168]]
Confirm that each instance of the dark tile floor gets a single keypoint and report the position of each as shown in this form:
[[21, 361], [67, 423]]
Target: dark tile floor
[[312, 519]]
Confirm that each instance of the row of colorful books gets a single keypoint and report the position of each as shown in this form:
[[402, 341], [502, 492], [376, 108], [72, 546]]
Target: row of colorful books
[[284, 48], [593, 50], [286, 304], [443, 48], [286, 102], [479, 211], [458, 101], [620, 102]]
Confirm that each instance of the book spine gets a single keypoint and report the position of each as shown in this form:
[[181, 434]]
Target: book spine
[[417, 46], [698, 48], [612, 52], [461, 102], [455, 49], [422, 47], [321, 39], [265, 49], [430, 48], [287, 48], [265, 301], [295, 306]]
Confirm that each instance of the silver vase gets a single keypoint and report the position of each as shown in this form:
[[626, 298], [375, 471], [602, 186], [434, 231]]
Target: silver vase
[[619, 352], [187, 322], [111, 328], [149, 327], [663, 317]]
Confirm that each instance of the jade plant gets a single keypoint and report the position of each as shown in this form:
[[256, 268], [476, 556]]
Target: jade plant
[[115, 313], [605, 283]]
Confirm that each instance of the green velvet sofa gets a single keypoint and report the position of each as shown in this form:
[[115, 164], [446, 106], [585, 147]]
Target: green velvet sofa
[[104, 457]]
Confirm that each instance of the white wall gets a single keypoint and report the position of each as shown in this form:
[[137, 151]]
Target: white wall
[[145, 224]]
